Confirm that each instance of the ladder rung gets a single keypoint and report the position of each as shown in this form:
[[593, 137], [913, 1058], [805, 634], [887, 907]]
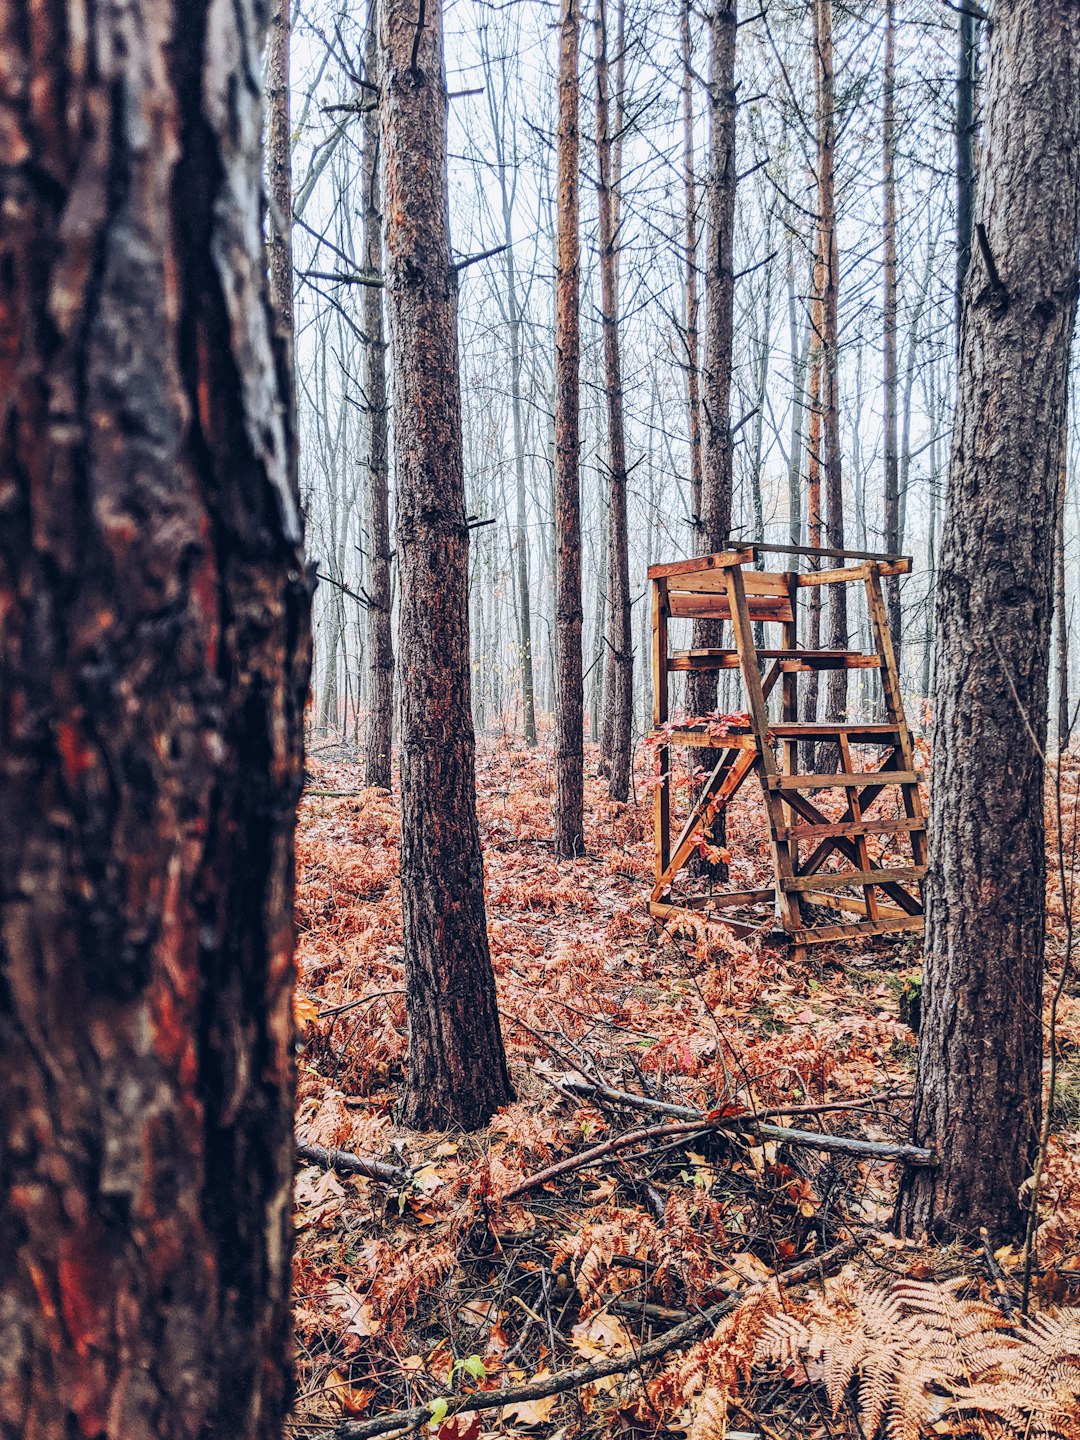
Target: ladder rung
[[826, 782], [822, 934], [813, 730], [849, 827], [841, 879]]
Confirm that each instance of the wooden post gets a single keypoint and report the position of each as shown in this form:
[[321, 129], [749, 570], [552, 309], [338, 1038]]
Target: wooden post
[[662, 792]]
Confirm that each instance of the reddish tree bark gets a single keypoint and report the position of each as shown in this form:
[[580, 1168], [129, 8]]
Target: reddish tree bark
[[380, 729], [457, 1071], [153, 667], [569, 691], [978, 1092]]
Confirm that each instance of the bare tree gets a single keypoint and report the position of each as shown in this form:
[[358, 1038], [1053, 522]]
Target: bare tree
[[380, 730], [457, 1066], [980, 1044], [569, 696], [620, 693]]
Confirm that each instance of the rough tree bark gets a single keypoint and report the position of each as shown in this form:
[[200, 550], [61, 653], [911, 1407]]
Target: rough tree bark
[[701, 686], [457, 1066], [620, 693], [380, 729], [569, 696], [154, 606], [978, 1096]]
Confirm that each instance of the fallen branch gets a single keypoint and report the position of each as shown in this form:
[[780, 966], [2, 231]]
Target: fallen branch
[[608, 1147], [839, 1144], [348, 1164], [540, 1389]]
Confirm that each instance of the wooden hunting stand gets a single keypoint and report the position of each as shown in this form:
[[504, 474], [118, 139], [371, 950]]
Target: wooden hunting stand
[[886, 897]]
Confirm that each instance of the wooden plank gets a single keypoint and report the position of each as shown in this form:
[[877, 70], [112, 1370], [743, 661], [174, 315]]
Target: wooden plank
[[873, 778], [833, 901], [684, 604], [824, 553], [809, 811], [894, 703], [825, 934], [842, 575], [674, 913], [842, 879], [694, 737], [662, 792], [742, 556], [862, 854], [787, 902], [714, 582], [815, 729], [811, 661], [853, 827]]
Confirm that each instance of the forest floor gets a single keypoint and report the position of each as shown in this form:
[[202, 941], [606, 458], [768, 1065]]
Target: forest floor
[[444, 1282]]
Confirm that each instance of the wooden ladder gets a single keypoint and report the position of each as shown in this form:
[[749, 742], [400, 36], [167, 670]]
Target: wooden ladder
[[881, 898]]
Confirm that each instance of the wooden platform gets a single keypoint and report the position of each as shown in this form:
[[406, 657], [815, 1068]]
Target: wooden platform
[[880, 898]]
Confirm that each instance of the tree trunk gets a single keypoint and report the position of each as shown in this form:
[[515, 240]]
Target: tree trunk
[[279, 164], [836, 688], [1061, 606], [693, 355], [701, 686], [966, 79], [380, 728], [569, 697], [153, 667], [457, 1067], [619, 638], [892, 458], [807, 750], [978, 1095]]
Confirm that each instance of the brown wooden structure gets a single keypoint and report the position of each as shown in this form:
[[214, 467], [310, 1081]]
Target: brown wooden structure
[[821, 861]]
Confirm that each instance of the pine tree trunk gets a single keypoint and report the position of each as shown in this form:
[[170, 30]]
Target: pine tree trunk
[[457, 1067], [279, 163], [836, 686], [892, 459], [967, 64], [1061, 606], [701, 686], [693, 355], [380, 728], [978, 1093], [154, 659], [569, 697], [619, 637]]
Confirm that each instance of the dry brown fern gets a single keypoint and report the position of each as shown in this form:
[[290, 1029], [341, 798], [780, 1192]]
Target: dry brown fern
[[921, 1359]]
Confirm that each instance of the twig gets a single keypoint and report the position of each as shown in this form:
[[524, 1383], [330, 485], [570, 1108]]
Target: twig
[[540, 1389], [606, 1147], [349, 1164]]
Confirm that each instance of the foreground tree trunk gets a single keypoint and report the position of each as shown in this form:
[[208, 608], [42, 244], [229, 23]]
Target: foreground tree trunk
[[153, 669], [457, 1067], [380, 729], [980, 1046], [620, 695], [701, 685], [569, 693]]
